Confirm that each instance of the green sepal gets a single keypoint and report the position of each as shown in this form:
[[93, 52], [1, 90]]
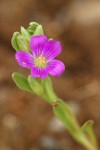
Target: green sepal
[[35, 85], [38, 30], [14, 41], [21, 82], [32, 27]]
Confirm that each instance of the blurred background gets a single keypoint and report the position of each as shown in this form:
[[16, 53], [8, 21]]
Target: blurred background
[[27, 122]]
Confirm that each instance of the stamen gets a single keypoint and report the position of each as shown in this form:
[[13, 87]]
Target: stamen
[[40, 61]]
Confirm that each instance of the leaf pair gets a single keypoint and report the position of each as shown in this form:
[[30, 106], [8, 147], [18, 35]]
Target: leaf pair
[[29, 85], [41, 87]]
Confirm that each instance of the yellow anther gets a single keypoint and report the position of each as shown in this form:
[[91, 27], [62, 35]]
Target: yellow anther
[[40, 61]]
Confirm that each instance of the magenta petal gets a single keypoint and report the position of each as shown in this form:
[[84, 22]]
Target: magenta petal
[[37, 72], [51, 49], [24, 59], [56, 68], [37, 43]]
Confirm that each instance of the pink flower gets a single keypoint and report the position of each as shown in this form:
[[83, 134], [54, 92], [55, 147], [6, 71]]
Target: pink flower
[[41, 61]]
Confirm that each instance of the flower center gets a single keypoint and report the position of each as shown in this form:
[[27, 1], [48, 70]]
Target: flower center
[[40, 61]]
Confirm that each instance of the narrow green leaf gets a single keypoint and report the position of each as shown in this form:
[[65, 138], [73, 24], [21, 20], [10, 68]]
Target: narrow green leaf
[[23, 43], [21, 82], [14, 41], [24, 32], [47, 84], [87, 125], [63, 112], [35, 85], [88, 128], [38, 30]]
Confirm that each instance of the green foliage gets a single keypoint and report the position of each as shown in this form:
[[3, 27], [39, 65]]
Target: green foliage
[[88, 129], [23, 43], [24, 32], [32, 27], [48, 87], [64, 113], [35, 85], [38, 30], [21, 82], [14, 41]]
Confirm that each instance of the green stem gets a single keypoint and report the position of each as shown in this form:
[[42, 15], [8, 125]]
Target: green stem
[[64, 113]]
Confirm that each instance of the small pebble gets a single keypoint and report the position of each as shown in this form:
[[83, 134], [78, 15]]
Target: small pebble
[[56, 125], [49, 143], [75, 107], [11, 121]]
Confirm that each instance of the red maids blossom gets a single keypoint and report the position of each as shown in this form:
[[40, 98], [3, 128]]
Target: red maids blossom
[[41, 61]]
